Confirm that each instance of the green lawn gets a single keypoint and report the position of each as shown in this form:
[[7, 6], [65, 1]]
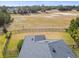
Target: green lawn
[[68, 39], [2, 43], [76, 51], [12, 46]]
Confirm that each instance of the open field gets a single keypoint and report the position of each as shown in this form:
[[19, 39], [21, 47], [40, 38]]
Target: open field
[[50, 19]]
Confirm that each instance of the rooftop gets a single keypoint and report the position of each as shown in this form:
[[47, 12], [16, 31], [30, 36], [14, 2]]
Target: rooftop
[[39, 47]]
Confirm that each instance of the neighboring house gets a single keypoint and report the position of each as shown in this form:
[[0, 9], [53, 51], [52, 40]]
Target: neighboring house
[[12, 9], [38, 47]]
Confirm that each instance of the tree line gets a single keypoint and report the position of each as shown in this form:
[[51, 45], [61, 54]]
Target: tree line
[[42, 8], [31, 9]]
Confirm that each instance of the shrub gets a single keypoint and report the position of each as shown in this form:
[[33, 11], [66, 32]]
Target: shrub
[[5, 30]]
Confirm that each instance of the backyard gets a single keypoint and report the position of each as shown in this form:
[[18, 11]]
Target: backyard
[[43, 20]]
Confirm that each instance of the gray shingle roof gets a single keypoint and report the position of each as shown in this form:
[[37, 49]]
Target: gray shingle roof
[[38, 47]]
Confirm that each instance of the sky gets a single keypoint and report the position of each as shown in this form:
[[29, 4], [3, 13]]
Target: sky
[[30, 3]]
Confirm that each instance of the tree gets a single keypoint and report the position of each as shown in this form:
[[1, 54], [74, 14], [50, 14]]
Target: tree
[[73, 30], [4, 9], [43, 9], [4, 18], [65, 8], [77, 21]]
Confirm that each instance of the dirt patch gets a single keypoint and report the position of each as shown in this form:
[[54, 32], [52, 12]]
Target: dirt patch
[[66, 14]]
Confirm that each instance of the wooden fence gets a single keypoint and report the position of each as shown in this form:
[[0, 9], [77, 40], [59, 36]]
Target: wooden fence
[[39, 30]]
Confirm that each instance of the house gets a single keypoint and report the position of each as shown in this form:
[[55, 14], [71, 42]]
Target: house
[[37, 46]]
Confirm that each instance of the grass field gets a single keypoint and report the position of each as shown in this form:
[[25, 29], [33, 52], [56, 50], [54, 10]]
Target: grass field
[[51, 19]]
